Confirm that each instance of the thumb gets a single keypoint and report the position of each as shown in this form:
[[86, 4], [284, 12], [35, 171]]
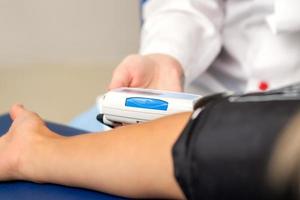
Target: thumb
[[16, 111]]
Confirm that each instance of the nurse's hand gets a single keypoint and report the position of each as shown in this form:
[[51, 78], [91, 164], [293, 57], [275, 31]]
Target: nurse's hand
[[155, 71], [22, 144]]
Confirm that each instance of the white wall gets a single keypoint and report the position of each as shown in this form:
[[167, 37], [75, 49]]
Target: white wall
[[69, 32], [56, 56]]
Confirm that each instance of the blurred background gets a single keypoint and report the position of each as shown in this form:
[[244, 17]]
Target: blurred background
[[56, 56]]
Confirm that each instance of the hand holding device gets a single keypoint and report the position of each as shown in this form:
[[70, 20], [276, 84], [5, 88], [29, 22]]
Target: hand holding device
[[156, 71]]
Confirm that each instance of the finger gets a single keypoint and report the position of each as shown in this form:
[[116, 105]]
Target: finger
[[16, 110], [120, 79]]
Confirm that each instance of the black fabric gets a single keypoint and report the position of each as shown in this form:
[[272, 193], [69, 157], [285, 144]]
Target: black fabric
[[223, 153]]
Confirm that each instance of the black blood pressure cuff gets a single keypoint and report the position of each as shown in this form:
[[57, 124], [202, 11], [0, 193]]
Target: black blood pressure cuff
[[224, 151]]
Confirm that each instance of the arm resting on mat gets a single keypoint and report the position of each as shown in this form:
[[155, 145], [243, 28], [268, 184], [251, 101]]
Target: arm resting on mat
[[133, 161]]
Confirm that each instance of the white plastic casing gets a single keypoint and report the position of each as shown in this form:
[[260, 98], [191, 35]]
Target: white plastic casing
[[134, 105]]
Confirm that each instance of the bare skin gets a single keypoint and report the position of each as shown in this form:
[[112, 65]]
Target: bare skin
[[132, 161], [154, 71]]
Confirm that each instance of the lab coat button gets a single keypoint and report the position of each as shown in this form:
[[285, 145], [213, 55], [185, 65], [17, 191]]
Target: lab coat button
[[263, 86]]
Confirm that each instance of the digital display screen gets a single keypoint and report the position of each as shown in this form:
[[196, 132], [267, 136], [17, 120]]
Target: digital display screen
[[145, 92], [162, 94]]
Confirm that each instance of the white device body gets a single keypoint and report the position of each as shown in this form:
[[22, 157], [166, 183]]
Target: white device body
[[134, 105]]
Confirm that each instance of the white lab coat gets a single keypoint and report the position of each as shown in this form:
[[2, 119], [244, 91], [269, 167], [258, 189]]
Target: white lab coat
[[236, 45]]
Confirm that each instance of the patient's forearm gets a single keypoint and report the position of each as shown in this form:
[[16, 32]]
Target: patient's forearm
[[134, 160]]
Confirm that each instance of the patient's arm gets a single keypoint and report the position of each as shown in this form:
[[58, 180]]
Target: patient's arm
[[133, 161]]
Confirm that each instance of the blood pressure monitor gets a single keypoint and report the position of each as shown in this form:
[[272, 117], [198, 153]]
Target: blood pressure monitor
[[135, 105]]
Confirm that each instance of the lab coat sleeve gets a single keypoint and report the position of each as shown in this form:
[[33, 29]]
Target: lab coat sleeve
[[188, 30]]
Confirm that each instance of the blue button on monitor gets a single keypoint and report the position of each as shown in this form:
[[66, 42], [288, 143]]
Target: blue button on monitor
[[146, 103]]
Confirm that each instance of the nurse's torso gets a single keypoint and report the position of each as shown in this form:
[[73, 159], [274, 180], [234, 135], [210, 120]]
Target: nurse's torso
[[256, 55]]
